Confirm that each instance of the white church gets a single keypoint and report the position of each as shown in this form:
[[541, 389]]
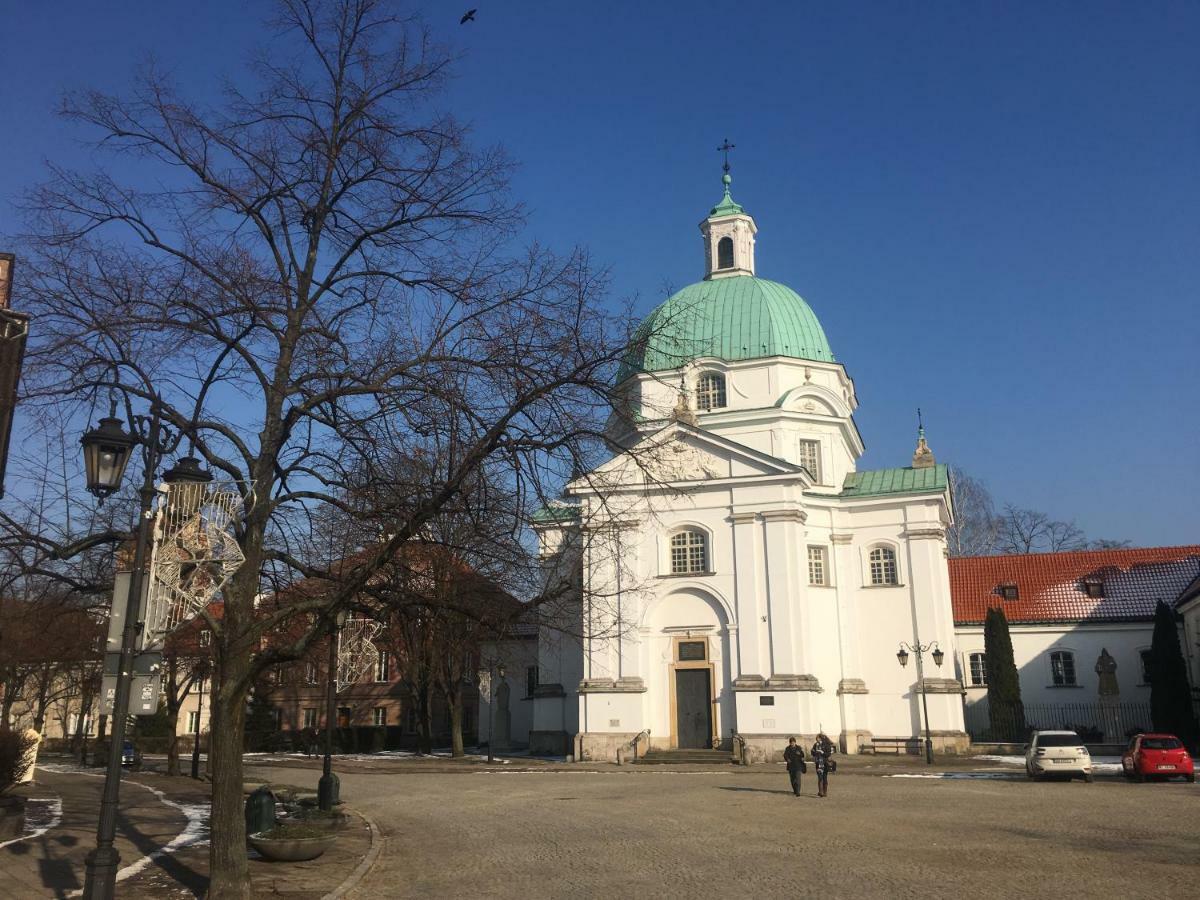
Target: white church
[[741, 580]]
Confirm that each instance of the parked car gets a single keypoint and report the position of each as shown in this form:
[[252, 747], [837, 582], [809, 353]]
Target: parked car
[[1051, 753], [131, 756], [1157, 756]]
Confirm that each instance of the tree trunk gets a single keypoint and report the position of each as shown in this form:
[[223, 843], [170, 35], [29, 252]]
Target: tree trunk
[[173, 739], [229, 878], [173, 702], [454, 701], [425, 717]]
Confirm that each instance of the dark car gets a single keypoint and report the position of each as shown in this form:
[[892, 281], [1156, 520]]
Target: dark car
[[1157, 756], [131, 756]]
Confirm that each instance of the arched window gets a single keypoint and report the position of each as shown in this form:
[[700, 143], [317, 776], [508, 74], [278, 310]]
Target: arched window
[[977, 663], [725, 253], [883, 566], [710, 392], [689, 552], [1062, 668]]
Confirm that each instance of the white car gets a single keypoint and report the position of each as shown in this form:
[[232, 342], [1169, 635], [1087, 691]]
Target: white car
[[1057, 753]]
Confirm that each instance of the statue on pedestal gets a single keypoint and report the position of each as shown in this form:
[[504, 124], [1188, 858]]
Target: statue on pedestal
[[1110, 697]]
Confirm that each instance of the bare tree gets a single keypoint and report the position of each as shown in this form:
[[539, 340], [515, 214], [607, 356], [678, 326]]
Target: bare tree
[[316, 266], [976, 528], [1030, 531]]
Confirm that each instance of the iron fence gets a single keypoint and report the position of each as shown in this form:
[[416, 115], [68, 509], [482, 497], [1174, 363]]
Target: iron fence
[[1094, 722]]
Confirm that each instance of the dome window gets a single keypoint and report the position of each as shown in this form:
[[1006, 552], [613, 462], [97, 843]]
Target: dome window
[[725, 253], [710, 392]]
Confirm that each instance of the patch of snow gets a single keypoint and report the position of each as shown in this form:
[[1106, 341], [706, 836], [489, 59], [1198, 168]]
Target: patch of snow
[[41, 814], [196, 831], [1101, 765], [997, 776]]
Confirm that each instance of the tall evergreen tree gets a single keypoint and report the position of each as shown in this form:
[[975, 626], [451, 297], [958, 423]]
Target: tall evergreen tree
[[1006, 712], [1170, 695]]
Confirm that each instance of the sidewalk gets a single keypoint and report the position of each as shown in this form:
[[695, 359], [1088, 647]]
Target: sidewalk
[[162, 835]]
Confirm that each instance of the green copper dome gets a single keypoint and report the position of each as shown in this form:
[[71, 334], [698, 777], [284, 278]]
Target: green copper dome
[[733, 318]]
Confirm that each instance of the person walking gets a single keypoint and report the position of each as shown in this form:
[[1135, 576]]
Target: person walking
[[822, 750], [793, 755]]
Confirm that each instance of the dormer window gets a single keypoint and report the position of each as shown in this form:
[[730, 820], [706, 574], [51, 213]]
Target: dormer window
[[710, 391], [1008, 591], [1093, 587], [725, 253]]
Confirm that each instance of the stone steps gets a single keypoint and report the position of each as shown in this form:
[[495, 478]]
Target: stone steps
[[685, 757]]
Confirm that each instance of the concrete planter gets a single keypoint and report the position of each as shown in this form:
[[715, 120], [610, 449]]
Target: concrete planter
[[12, 817], [332, 823], [291, 849]]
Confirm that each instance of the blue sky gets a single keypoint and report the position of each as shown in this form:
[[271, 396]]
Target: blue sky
[[994, 208]]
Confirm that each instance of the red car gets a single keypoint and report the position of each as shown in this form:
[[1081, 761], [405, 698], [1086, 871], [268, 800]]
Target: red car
[[1157, 756]]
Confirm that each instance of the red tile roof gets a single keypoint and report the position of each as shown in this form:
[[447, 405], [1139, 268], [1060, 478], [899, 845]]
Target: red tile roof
[[1050, 586]]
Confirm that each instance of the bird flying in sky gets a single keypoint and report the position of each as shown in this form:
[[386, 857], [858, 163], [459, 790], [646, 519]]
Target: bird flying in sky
[[468, 16]]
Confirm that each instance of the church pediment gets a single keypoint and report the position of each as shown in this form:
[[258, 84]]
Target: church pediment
[[683, 453]]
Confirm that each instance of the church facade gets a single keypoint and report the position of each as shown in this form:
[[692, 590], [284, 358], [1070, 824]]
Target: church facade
[[740, 579]]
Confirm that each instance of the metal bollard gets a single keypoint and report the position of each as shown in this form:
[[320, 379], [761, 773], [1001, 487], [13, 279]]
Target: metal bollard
[[260, 811]]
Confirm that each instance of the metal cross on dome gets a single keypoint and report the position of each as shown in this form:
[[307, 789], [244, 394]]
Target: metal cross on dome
[[725, 148]]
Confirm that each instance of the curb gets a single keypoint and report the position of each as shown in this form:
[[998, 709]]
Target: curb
[[368, 861]]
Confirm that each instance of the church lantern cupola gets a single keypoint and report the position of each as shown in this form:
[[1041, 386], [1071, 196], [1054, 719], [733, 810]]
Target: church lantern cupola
[[728, 234]]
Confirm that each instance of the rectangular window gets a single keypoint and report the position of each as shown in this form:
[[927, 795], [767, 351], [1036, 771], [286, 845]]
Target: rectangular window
[[410, 720], [310, 673], [978, 667], [1144, 655], [205, 638], [310, 718], [691, 651], [382, 667], [766, 701], [810, 458], [379, 715], [1062, 668], [343, 717], [193, 722], [531, 680], [817, 566]]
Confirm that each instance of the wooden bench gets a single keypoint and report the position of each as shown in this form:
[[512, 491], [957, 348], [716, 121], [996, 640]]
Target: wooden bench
[[895, 745]]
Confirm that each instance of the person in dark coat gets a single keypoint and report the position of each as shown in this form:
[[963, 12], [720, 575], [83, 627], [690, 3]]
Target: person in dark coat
[[822, 750], [794, 757]]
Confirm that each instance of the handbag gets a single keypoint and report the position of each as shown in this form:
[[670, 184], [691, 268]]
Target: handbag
[[833, 765], [803, 767]]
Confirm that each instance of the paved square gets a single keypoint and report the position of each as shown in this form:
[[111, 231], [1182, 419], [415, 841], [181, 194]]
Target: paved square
[[643, 832]]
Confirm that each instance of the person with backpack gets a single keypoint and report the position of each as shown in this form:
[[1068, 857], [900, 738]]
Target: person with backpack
[[793, 755], [822, 750]]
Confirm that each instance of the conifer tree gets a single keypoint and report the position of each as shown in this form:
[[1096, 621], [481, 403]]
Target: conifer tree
[[1170, 696], [1006, 713]]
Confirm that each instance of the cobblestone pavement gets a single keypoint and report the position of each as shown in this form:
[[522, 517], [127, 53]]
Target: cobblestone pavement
[[641, 831]]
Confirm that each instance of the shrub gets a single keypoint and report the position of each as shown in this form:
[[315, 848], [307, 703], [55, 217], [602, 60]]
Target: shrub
[[16, 751]]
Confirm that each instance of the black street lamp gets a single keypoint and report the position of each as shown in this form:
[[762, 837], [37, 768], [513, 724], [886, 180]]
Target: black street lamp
[[329, 787], [106, 453], [938, 656], [496, 674]]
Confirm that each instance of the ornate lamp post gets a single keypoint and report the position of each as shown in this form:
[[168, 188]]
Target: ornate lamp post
[[106, 453], [495, 674], [920, 649]]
